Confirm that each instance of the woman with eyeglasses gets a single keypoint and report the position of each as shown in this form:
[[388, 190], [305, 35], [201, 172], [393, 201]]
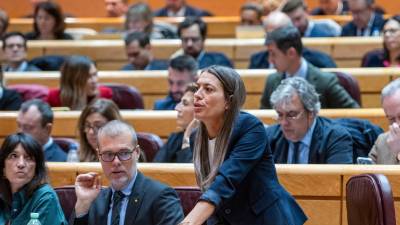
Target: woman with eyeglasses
[[389, 56], [78, 85], [233, 163], [23, 183]]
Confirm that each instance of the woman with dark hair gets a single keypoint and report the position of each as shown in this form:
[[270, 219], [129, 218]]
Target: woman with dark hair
[[389, 56], [92, 118], [23, 183], [9, 99], [78, 85], [233, 164], [48, 23]]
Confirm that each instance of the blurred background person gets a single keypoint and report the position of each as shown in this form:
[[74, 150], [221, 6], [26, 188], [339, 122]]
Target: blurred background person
[[116, 8], [48, 23], [176, 149], [389, 56], [24, 184], [9, 99], [251, 14], [78, 85], [4, 22], [180, 8], [331, 7]]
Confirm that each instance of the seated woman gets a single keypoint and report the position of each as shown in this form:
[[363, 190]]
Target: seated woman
[[177, 147], [78, 85], [48, 23], [389, 56], [92, 118], [233, 164], [23, 183], [9, 99]]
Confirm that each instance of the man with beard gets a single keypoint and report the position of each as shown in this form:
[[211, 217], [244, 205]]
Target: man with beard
[[182, 70]]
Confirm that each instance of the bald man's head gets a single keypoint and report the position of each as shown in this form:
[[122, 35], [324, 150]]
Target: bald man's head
[[275, 20]]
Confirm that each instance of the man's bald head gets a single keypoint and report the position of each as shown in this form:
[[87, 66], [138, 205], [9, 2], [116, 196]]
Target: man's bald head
[[275, 20]]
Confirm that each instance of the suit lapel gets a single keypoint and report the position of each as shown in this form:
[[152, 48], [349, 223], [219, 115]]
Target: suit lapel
[[135, 199], [313, 156], [102, 208]]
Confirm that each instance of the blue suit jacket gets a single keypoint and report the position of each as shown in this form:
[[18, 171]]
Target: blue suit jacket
[[153, 65], [172, 151], [322, 30], [319, 59], [330, 144], [167, 103], [214, 58], [246, 189], [350, 28], [55, 154], [190, 11]]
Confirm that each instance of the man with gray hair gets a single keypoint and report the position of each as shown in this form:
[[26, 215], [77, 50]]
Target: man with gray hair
[[387, 146], [132, 198], [301, 136]]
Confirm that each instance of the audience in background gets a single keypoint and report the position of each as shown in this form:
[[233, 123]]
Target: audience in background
[[175, 8], [24, 183], [366, 21], [138, 51], [4, 21], [116, 8], [277, 19], [389, 56], [140, 18], [36, 118], [78, 85], [285, 47], [48, 23], [387, 147], [130, 191], [297, 11], [15, 53], [93, 117], [9, 99], [177, 148], [331, 7], [301, 136], [251, 14], [193, 32], [182, 70]]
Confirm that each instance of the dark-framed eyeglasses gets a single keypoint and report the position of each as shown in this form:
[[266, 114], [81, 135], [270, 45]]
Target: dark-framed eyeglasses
[[123, 155], [94, 127], [290, 116]]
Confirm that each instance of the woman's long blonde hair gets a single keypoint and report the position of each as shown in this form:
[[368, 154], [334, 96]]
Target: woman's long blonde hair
[[235, 95]]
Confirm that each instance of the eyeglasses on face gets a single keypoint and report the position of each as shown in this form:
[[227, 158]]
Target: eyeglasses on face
[[289, 116], [123, 155], [193, 39], [390, 31], [94, 127]]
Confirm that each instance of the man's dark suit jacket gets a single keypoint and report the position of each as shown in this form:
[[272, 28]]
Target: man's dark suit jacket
[[150, 203], [189, 11], [319, 59], [172, 151], [246, 189], [214, 58], [332, 94], [11, 100], [154, 65], [54, 153], [330, 143], [350, 28]]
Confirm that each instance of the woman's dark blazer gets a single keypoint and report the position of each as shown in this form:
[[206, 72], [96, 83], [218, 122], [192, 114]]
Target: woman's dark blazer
[[246, 189]]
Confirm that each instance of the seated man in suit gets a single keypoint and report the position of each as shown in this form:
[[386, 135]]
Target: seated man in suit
[[116, 8], [175, 8], [138, 51], [131, 198], [193, 32], [331, 7], [182, 71], [285, 47], [387, 146], [251, 14], [15, 53], [366, 21], [275, 20], [36, 118], [297, 11], [301, 136]]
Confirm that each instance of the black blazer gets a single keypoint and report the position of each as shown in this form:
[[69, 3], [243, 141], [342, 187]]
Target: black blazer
[[350, 28], [172, 151], [11, 100], [190, 11], [330, 144], [150, 203]]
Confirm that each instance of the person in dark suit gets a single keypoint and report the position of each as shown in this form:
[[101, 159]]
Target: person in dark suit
[[366, 22], [138, 51], [36, 118], [193, 32], [301, 136], [233, 162], [285, 47], [174, 8], [9, 99], [131, 197], [331, 7]]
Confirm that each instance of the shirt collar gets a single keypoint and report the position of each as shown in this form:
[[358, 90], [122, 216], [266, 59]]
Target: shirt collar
[[128, 188], [1, 91], [367, 30], [181, 12], [310, 26], [22, 67], [307, 138], [48, 144], [302, 71], [200, 56]]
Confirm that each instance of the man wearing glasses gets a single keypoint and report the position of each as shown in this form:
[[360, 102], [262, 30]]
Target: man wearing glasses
[[193, 32], [301, 136], [131, 198]]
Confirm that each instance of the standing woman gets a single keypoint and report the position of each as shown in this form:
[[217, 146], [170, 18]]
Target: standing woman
[[78, 85], [23, 183], [233, 163], [48, 23]]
